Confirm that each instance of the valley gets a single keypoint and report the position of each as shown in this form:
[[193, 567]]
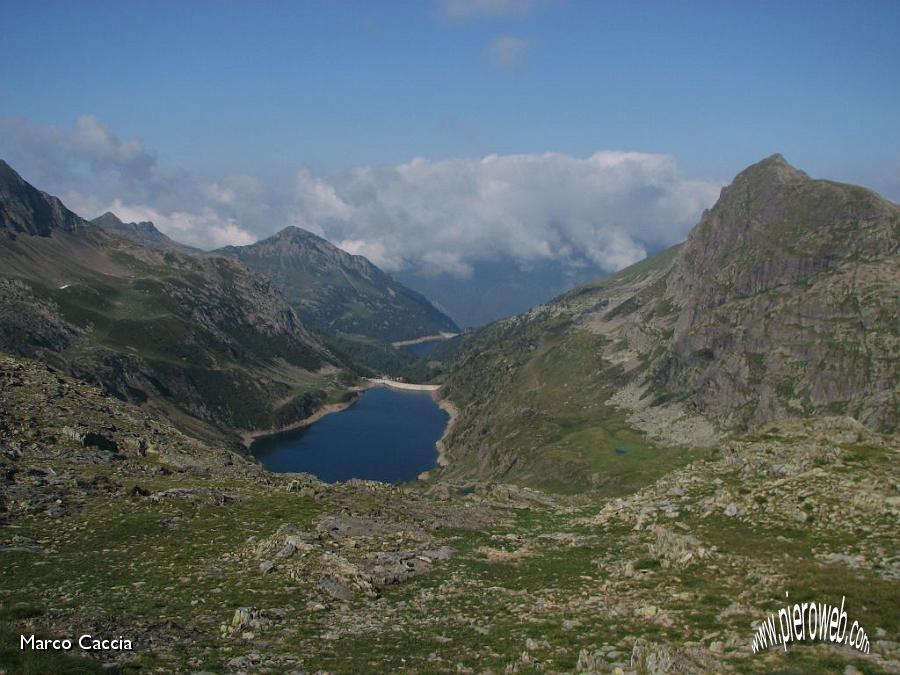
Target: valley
[[626, 479]]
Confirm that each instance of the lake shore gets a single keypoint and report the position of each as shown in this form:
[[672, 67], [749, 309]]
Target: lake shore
[[450, 408], [248, 437], [425, 338]]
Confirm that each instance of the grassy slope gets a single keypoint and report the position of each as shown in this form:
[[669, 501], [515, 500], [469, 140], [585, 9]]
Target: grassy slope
[[533, 391], [528, 588]]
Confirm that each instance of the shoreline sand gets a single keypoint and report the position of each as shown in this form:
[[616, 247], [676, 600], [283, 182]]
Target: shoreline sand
[[450, 408]]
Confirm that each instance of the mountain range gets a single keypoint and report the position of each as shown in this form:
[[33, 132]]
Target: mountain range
[[357, 308], [144, 233], [205, 340]]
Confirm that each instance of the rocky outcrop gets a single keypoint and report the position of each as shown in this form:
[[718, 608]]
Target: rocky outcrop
[[789, 290], [28, 325]]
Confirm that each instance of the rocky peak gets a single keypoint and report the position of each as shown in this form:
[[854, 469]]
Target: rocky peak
[[296, 243], [775, 225], [144, 233], [337, 292], [774, 168], [778, 287], [110, 221], [26, 210], [293, 240], [292, 232]]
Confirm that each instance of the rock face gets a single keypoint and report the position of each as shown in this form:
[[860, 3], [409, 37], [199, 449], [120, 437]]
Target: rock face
[[144, 233], [25, 210], [209, 341], [339, 293], [787, 289]]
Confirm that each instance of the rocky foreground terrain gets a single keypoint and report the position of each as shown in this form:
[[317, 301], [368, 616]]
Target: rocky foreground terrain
[[115, 524]]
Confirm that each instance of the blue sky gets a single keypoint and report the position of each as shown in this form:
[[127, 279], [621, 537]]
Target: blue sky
[[717, 84], [220, 89]]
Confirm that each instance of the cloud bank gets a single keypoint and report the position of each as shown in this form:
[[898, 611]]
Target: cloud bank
[[434, 217], [605, 210]]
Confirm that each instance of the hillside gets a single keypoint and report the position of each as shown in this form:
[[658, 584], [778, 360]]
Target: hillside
[[343, 296], [207, 342], [783, 302]]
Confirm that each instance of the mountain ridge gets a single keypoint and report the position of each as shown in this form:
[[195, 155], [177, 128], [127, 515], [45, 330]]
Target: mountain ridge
[[25, 210], [144, 232], [358, 307]]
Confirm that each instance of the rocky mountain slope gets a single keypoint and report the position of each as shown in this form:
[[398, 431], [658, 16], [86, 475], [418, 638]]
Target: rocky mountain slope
[[783, 302], [144, 233], [209, 343], [116, 524], [24, 210], [789, 297], [343, 296]]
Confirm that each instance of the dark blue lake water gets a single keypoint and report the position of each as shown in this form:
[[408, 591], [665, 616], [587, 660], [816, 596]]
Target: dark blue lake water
[[387, 435]]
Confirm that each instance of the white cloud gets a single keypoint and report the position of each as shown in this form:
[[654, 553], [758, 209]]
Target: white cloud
[[435, 217], [204, 229], [468, 9], [603, 210], [96, 141], [96, 171], [375, 251], [508, 52]]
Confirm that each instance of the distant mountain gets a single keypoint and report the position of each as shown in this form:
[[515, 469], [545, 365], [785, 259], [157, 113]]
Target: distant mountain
[[498, 289], [343, 296], [783, 302], [209, 342], [144, 233]]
